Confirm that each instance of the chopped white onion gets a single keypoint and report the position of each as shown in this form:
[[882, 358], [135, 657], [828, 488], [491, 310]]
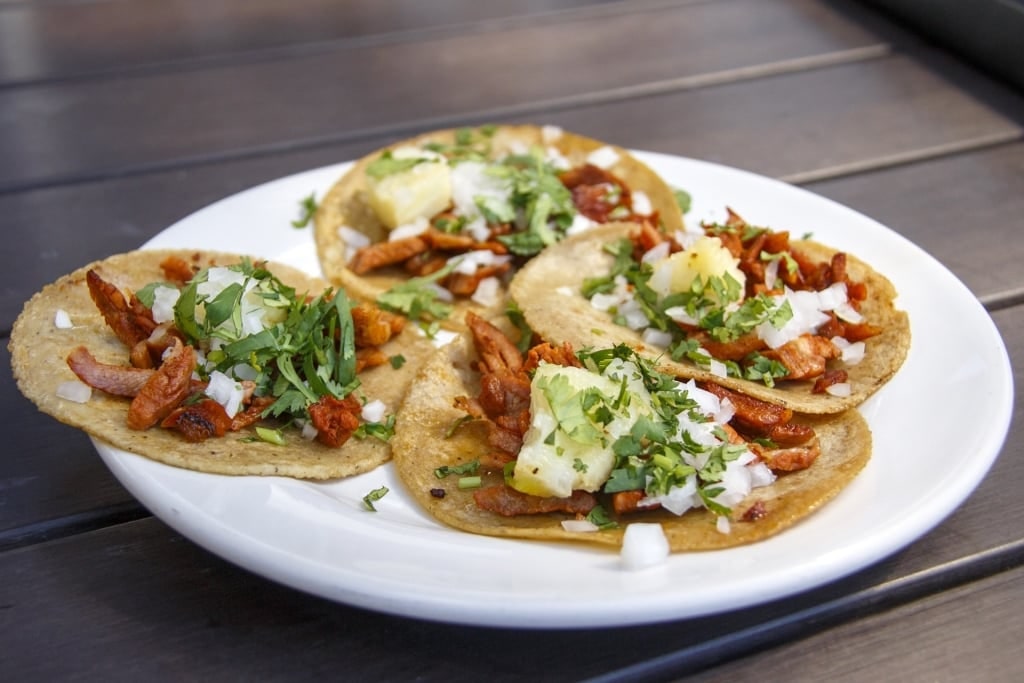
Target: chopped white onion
[[225, 391], [642, 204], [652, 336], [656, 253], [164, 299], [374, 411], [309, 432], [679, 314], [603, 157], [550, 134], [440, 338], [771, 273], [718, 368], [565, 290], [840, 389], [644, 545], [580, 223], [488, 292], [61, 320], [581, 525], [73, 390], [353, 238], [852, 353], [417, 227], [722, 524]]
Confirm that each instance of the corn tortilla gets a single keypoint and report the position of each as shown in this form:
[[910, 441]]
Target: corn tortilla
[[39, 349], [346, 204], [548, 290], [422, 443]]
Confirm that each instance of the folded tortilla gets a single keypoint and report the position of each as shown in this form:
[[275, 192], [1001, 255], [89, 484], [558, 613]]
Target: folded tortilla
[[424, 441], [548, 290], [346, 203], [39, 349]]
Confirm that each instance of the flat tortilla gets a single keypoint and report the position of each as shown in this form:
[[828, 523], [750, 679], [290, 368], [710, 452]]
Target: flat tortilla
[[422, 444], [346, 204], [548, 288], [38, 351]]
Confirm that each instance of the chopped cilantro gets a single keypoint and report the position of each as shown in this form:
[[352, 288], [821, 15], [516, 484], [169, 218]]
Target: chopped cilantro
[[308, 207], [273, 436], [386, 165], [683, 199], [382, 431], [373, 496], [470, 467], [598, 516], [397, 361], [417, 298]]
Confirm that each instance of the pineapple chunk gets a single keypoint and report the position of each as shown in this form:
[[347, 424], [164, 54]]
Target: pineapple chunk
[[562, 450], [705, 258], [420, 191]]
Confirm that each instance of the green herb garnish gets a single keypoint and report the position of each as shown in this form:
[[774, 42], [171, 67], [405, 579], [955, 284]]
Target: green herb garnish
[[308, 207], [373, 496]]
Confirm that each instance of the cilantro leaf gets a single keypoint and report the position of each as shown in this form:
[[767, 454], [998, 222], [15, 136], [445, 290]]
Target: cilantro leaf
[[308, 207]]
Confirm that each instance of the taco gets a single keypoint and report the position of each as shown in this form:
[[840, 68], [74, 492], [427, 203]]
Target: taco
[[792, 322], [464, 208], [559, 445], [215, 363]]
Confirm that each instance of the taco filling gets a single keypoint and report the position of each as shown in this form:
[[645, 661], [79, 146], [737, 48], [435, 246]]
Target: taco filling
[[458, 210], [586, 441], [740, 301], [230, 347]]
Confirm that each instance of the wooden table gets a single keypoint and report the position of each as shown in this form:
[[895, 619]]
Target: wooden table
[[118, 117]]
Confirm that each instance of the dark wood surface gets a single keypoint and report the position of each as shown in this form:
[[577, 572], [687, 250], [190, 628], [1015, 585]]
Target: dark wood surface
[[118, 117]]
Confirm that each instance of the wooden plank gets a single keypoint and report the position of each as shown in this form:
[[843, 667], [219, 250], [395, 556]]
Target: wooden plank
[[48, 41], [121, 214], [968, 634], [49, 470], [963, 209], [62, 132], [155, 604]]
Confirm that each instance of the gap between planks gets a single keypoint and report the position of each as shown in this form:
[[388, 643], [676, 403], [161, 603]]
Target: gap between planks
[[609, 96]]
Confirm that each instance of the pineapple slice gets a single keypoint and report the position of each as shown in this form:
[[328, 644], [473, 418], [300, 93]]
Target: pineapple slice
[[705, 258], [420, 190], [564, 449]]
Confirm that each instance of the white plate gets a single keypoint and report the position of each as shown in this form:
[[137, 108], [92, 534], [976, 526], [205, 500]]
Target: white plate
[[937, 428]]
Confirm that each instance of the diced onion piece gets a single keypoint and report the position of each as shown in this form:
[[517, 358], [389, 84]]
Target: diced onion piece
[[603, 157], [441, 337], [374, 411], [655, 337], [722, 524], [580, 223], [225, 391], [840, 389], [488, 292], [771, 273], [74, 390], [164, 299], [656, 253], [642, 204], [417, 227], [679, 314], [353, 239], [565, 290], [581, 525], [852, 353], [309, 432], [644, 545], [550, 134], [61, 320], [718, 368]]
